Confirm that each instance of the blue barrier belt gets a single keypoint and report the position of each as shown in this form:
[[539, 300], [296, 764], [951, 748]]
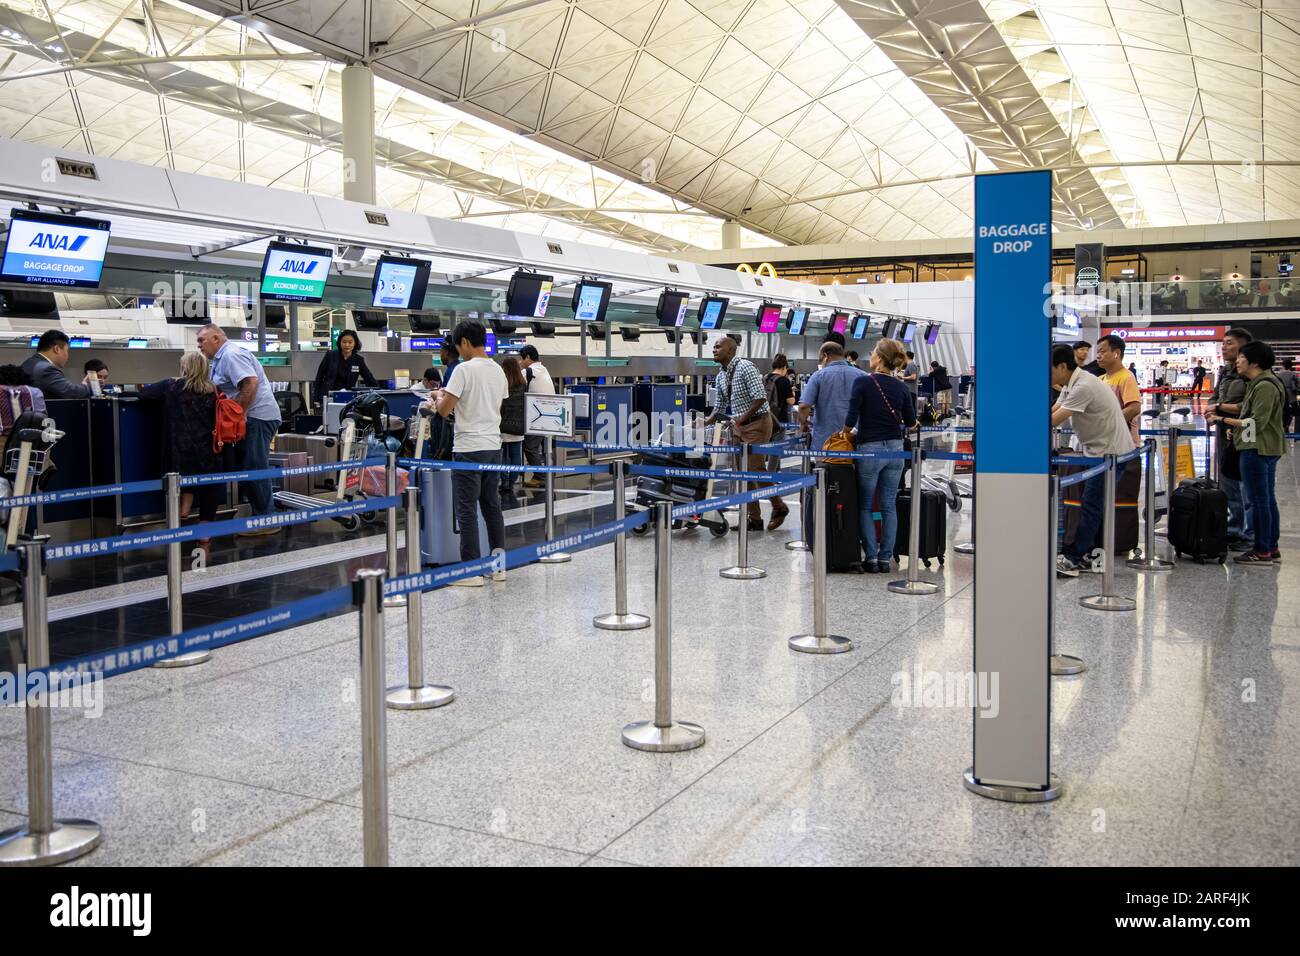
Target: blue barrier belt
[[691, 508], [1182, 432], [947, 456], [671, 472], [81, 494], [660, 449], [262, 474], [879, 455], [9, 561], [1128, 456], [212, 529], [435, 464], [431, 579], [952, 428], [132, 657], [1075, 460], [1083, 476]]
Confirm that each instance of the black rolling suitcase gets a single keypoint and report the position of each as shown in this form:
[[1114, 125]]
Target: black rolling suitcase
[[843, 540], [934, 526], [1198, 520]]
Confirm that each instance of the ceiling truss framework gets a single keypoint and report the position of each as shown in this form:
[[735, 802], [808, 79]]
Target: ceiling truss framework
[[644, 123]]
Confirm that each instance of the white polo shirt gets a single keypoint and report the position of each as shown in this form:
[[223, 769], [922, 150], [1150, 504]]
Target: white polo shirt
[[480, 387]]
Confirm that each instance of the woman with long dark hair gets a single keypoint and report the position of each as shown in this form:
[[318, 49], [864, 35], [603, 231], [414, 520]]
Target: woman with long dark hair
[[512, 423]]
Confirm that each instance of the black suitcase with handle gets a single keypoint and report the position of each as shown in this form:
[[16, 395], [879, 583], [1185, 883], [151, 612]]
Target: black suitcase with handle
[[843, 540], [1198, 520], [934, 526]]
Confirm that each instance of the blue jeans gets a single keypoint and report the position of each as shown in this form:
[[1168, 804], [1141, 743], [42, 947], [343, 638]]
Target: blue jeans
[[1239, 523], [876, 475], [257, 454], [1258, 474], [1092, 511], [474, 490], [512, 453]]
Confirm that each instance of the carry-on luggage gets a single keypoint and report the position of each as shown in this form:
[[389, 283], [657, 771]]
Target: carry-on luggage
[[843, 540], [1198, 520], [319, 449], [439, 529], [934, 526]]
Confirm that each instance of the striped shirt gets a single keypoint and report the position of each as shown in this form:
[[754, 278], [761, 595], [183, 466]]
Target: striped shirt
[[739, 385]]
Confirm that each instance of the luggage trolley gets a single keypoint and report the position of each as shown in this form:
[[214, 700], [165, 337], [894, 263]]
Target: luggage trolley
[[27, 449], [651, 489], [359, 422]]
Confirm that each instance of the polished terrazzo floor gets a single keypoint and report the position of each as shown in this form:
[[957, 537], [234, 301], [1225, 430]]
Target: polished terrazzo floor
[[1175, 747]]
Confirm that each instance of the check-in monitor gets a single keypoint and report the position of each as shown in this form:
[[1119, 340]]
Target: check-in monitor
[[528, 294], [932, 333], [839, 322], [795, 320], [294, 273], [44, 248], [769, 317], [399, 283], [591, 300], [860, 323], [671, 310], [713, 309]]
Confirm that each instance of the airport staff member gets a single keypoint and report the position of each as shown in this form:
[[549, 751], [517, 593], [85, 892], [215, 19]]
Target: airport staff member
[[45, 368], [342, 367], [238, 373]]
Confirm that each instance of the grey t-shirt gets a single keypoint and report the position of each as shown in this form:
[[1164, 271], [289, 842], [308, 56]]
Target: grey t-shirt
[[913, 384]]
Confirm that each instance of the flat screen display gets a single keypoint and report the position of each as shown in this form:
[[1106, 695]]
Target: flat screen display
[[932, 334], [425, 322], [839, 322], [891, 325], [769, 318], [795, 320], [671, 310], [373, 320], [79, 342], [47, 249], [909, 330], [860, 323], [712, 311], [137, 343], [276, 317], [399, 283], [293, 273], [528, 295], [591, 300]]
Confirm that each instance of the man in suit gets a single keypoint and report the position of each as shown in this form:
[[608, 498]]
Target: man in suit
[[45, 368]]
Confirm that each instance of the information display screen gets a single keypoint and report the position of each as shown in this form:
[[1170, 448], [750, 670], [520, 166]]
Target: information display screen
[[769, 318], [891, 326], [932, 334], [293, 273], [399, 283], [528, 295], [909, 330], [839, 322], [372, 320], [712, 311], [47, 249], [591, 300], [796, 320], [137, 343], [860, 323], [671, 310]]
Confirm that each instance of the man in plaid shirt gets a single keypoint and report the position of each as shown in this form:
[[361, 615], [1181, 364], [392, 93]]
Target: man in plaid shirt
[[741, 398]]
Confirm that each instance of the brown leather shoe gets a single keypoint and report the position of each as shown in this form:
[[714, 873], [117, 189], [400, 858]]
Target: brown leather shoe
[[778, 518]]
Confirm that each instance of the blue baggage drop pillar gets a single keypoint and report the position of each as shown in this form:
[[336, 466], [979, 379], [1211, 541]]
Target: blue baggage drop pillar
[[1014, 560]]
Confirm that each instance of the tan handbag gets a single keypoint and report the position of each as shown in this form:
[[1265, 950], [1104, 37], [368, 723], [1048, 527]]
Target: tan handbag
[[841, 440]]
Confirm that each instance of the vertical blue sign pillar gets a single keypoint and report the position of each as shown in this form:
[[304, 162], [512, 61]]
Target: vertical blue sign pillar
[[1014, 559]]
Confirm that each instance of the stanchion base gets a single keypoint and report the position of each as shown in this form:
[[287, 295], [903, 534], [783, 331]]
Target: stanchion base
[[1066, 665], [418, 698], [621, 622], [677, 736], [1108, 602], [913, 587], [395, 600], [797, 546], [558, 558], [737, 573], [1012, 794], [1150, 565], [964, 547], [186, 660], [69, 840], [820, 643]]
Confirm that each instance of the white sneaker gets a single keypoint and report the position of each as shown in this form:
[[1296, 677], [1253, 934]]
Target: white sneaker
[[1065, 568], [475, 581], [498, 576]]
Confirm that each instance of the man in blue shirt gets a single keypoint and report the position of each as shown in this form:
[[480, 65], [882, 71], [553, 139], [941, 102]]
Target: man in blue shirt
[[826, 394], [238, 373]]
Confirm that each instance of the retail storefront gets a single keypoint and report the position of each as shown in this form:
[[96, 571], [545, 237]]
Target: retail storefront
[[1181, 346]]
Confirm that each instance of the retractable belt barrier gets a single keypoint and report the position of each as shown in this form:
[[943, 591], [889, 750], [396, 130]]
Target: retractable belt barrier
[[141, 654], [668, 471], [211, 529], [947, 455], [949, 428], [743, 498], [81, 494], [434, 464], [261, 474], [1182, 432], [661, 449], [880, 455], [1082, 476]]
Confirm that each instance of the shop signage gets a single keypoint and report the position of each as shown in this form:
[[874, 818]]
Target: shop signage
[[1199, 333]]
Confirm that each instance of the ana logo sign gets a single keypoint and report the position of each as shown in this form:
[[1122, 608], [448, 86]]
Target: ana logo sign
[[302, 266], [55, 240]]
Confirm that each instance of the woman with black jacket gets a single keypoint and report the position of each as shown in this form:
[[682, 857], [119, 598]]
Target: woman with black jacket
[[341, 367]]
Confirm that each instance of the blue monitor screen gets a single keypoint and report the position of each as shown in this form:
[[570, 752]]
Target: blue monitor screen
[[590, 298], [798, 318], [137, 343], [909, 330], [48, 249], [711, 313], [860, 326], [399, 283]]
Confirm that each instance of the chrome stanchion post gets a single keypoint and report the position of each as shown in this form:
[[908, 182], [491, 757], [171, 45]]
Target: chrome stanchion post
[[416, 694], [1108, 600], [559, 557], [1149, 563], [1171, 471], [175, 605], [805, 469], [1060, 665], [44, 840], [374, 740], [914, 584], [620, 620], [663, 734], [741, 571], [819, 641], [390, 528]]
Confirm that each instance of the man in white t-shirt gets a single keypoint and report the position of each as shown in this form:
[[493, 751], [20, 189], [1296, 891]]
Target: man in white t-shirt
[[1091, 408], [539, 383], [475, 394]]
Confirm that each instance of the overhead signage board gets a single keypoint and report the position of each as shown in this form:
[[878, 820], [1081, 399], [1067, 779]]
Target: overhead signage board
[[551, 416], [1014, 559], [1199, 333], [50, 249]]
